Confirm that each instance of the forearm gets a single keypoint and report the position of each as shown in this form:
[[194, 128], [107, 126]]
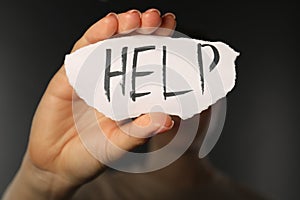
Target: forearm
[[32, 183]]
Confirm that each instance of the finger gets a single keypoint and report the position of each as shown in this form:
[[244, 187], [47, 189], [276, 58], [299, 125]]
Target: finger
[[129, 21], [138, 131], [101, 30], [167, 26], [150, 21]]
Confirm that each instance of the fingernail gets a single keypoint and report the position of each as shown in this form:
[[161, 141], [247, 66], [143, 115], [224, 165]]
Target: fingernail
[[135, 11], [153, 10], [112, 14], [170, 126], [164, 128], [170, 14]]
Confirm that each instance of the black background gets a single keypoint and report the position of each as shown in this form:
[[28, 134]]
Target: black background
[[259, 146]]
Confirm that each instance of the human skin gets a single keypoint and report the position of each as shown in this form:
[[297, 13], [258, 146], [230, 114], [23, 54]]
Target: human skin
[[56, 162]]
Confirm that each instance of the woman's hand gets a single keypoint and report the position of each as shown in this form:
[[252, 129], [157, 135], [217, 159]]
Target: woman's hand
[[56, 162]]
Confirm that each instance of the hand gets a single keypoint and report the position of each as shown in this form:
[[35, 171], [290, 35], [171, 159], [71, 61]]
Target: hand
[[55, 153]]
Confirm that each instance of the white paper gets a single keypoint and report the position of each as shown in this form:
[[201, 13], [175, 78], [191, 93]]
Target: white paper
[[204, 70]]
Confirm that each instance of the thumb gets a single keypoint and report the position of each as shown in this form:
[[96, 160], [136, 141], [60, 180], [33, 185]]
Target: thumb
[[137, 132]]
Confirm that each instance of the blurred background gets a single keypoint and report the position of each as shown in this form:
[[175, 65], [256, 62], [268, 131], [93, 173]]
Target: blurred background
[[259, 146]]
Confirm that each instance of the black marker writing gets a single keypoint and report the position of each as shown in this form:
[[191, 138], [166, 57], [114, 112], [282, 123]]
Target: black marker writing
[[135, 74], [169, 94], [216, 56], [200, 61], [109, 74]]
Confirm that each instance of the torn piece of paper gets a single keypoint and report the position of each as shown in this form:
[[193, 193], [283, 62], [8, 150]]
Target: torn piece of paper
[[128, 76]]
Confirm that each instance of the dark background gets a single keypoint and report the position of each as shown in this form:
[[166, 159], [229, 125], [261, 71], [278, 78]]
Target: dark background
[[259, 146]]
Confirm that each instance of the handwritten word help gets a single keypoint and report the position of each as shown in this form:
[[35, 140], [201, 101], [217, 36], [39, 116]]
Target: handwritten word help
[[127, 76]]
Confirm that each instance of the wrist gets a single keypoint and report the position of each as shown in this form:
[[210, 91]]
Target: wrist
[[34, 183]]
